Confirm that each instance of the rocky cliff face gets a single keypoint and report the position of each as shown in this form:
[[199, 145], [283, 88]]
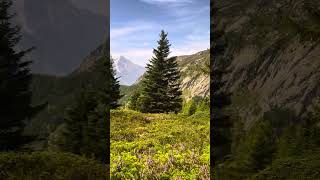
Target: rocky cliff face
[[274, 53], [194, 82]]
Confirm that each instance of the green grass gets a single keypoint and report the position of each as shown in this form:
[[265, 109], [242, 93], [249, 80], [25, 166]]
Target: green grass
[[159, 146], [49, 166]]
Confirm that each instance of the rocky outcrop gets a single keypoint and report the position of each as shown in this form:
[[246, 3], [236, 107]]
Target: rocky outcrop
[[194, 82], [275, 53]]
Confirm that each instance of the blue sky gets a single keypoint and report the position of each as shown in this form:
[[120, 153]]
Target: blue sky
[[136, 24]]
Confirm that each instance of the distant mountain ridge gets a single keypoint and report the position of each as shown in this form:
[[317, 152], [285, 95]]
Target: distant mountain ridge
[[127, 71]]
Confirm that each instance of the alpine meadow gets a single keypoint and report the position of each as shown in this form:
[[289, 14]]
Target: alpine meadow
[[159, 133], [162, 128]]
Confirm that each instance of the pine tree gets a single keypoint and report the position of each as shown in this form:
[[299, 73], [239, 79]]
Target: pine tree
[[134, 101], [110, 92], [97, 136], [108, 99], [161, 87], [88, 121], [173, 92], [76, 123], [15, 78]]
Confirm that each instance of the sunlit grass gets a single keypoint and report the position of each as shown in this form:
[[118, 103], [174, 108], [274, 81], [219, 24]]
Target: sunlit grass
[[145, 146]]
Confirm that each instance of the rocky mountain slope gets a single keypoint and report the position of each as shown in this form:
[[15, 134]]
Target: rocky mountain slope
[[274, 53], [194, 82]]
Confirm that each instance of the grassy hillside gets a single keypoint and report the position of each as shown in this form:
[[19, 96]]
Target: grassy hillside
[[159, 146]]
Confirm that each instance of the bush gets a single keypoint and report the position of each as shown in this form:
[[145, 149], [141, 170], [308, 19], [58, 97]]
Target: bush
[[50, 166], [196, 104], [278, 146], [189, 108], [257, 147], [307, 167], [159, 146]]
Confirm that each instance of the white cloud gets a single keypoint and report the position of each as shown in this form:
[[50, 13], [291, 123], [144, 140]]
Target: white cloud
[[120, 32], [190, 12], [198, 35], [190, 48], [181, 8], [129, 29]]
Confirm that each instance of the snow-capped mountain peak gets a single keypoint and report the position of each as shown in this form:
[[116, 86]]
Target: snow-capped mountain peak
[[127, 71]]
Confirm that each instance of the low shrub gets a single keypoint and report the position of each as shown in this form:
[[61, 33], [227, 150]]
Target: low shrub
[[161, 146], [50, 166]]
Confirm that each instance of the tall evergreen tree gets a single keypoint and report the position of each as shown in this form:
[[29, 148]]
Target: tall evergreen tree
[[161, 85], [98, 133], [99, 119], [174, 93], [15, 78], [110, 92], [76, 123], [87, 124], [134, 101]]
